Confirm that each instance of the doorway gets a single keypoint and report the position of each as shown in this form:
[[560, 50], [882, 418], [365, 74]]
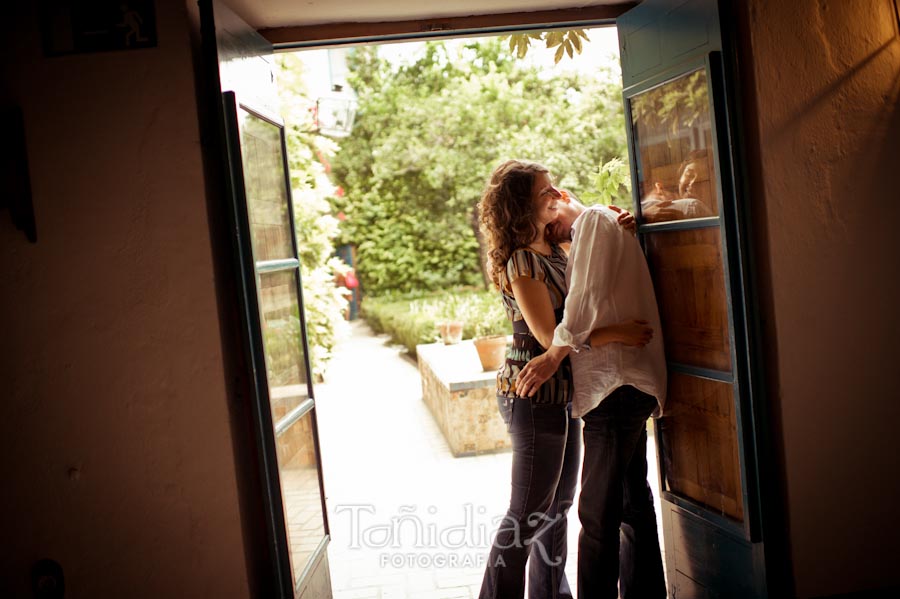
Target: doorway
[[399, 479], [699, 527]]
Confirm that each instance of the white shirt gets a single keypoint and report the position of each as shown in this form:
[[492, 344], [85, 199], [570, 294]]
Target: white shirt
[[609, 282], [688, 207]]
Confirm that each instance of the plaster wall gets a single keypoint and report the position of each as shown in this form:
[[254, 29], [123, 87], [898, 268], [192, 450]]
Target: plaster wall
[[826, 84], [117, 453]]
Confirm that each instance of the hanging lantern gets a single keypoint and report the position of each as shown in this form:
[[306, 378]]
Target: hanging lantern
[[335, 113]]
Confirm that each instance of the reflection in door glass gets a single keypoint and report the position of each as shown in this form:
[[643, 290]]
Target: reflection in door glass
[[673, 140], [287, 375], [283, 342], [700, 450], [300, 492], [689, 280], [267, 200]]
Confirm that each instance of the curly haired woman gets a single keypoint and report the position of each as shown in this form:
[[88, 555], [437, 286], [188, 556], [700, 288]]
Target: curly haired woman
[[529, 270]]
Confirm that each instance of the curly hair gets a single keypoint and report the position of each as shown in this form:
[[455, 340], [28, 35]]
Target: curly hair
[[506, 213]]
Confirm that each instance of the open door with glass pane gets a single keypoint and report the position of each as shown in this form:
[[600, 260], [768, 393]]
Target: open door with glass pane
[[705, 440], [285, 411]]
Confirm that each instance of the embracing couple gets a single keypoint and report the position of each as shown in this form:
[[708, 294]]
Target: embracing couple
[[583, 349]]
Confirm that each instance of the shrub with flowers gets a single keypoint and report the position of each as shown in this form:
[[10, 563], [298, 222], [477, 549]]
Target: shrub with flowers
[[308, 154]]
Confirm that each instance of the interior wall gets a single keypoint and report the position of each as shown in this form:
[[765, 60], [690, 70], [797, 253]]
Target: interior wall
[[117, 451], [825, 80]]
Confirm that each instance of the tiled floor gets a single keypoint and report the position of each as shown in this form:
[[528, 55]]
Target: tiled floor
[[407, 519]]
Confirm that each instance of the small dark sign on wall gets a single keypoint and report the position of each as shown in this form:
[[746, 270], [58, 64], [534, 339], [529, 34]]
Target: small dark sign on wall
[[76, 26], [15, 186]]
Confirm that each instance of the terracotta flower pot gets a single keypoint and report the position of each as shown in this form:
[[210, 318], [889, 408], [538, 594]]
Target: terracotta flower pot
[[491, 351], [451, 331]]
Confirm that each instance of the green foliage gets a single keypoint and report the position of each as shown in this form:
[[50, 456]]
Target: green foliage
[[679, 104], [324, 305], [426, 138], [485, 316], [403, 320], [566, 42], [481, 312], [316, 228], [411, 319], [611, 185]]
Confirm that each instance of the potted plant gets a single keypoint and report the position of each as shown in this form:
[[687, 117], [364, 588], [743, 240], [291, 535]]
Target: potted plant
[[490, 330], [449, 322], [451, 331]]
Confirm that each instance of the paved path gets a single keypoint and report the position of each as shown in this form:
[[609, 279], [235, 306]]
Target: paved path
[[407, 519]]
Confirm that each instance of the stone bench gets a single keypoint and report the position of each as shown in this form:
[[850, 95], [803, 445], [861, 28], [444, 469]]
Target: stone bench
[[462, 398]]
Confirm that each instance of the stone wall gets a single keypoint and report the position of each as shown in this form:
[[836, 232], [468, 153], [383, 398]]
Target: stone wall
[[462, 398]]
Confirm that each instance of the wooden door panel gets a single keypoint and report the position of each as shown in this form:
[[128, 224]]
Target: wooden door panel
[[688, 588], [708, 562], [689, 279], [700, 449]]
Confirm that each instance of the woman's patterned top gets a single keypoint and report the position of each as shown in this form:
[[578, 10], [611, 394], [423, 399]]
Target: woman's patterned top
[[551, 271]]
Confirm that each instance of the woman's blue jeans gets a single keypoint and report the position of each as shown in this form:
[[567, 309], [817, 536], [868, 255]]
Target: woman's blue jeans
[[546, 443]]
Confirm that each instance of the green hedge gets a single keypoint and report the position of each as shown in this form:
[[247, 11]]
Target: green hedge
[[429, 132], [411, 319]]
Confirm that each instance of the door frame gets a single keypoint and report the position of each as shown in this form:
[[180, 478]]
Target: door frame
[[739, 270], [666, 39]]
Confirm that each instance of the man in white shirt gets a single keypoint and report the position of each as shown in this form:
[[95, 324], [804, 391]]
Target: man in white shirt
[[660, 205], [617, 388]]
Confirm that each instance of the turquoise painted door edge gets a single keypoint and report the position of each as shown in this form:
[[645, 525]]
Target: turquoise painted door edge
[[685, 161]]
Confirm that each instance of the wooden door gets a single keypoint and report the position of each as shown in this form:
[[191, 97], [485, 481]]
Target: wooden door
[[683, 154]]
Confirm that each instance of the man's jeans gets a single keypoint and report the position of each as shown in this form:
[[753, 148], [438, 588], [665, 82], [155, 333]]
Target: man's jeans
[[546, 450], [614, 493]]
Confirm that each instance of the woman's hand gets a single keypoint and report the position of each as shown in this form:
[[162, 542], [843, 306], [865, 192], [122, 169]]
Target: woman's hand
[[635, 333]]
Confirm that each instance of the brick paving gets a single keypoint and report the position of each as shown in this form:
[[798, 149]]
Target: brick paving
[[407, 519]]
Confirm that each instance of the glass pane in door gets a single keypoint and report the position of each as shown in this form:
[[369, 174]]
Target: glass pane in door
[[283, 341], [293, 428], [673, 140], [300, 491], [689, 279], [700, 449], [266, 189]]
